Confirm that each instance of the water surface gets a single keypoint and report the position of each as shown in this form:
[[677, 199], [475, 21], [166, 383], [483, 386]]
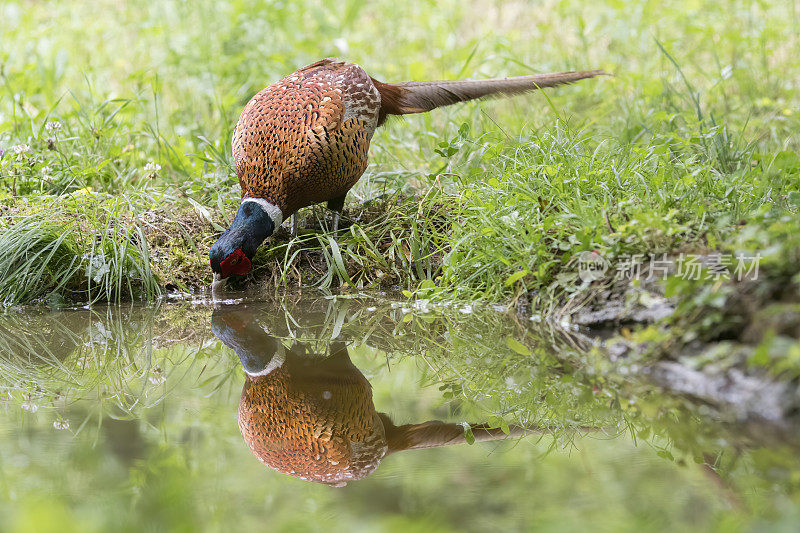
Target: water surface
[[357, 413]]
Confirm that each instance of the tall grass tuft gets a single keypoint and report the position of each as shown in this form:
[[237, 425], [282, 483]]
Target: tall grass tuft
[[85, 247], [38, 256]]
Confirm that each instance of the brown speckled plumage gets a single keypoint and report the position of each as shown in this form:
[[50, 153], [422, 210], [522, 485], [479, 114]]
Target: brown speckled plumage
[[304, 139]]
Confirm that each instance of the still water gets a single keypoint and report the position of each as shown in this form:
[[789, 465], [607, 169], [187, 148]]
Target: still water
[[315, 413]]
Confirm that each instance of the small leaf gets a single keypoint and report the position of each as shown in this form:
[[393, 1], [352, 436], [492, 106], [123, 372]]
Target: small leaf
[[666, 455], [205, 214], [517, 346], [504, 427], [427, 284], [516, 276], [468, 436]]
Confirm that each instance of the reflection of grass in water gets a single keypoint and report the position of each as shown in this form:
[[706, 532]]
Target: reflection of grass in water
[[488, 367], [102, 362], [111, 357]]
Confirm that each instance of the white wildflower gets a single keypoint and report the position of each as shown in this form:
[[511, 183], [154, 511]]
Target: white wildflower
[[29, 405], [52, 127], [342, 45], [61, 423], [511, 218], [422, 305], [20, 149], [151, 169], [45, 171]]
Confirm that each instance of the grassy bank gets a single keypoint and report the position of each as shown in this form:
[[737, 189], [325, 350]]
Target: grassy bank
[[116, 174]]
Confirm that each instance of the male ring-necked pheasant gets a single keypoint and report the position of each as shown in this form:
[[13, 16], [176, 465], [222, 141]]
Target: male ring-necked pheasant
[[304, 140]]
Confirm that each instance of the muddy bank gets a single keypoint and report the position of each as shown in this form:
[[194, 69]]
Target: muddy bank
[[384, 251]]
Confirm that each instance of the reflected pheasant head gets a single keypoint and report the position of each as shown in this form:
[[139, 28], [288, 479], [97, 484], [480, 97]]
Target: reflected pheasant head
[[311, 416]]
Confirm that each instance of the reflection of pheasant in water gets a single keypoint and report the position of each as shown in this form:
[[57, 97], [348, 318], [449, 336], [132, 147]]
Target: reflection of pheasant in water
[[312, 417]]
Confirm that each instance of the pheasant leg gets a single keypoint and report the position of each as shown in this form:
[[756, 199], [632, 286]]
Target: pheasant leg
[[336, 205]]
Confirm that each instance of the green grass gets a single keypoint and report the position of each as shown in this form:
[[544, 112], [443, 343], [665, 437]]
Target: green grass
[[693, 138], [81, 247]]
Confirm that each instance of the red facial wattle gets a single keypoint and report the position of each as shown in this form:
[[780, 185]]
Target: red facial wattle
[[236, 263]]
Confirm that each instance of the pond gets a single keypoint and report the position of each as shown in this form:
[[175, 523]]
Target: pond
[[360, 413]]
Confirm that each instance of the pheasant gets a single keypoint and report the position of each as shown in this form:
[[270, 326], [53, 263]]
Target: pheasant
[[312, 416], [304, 140]]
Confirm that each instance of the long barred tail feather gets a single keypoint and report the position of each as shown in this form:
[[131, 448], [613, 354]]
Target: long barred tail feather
[[421, 96]]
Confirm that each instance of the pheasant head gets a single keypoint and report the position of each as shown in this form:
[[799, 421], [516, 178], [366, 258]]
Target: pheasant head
[[255, 220]]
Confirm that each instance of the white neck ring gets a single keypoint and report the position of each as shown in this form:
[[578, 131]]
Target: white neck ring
[[272, 211]]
